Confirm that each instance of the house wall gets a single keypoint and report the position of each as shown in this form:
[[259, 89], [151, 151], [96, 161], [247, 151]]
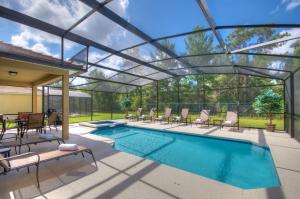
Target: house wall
[[14, 103]]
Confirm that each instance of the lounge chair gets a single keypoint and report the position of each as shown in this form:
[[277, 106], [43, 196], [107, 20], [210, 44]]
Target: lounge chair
[[166, 116], [231, 119], [52, 120], [136, 116], [138, 113], [26, 160], [150, 116], [184, 116], [203, 118], [12, 140]]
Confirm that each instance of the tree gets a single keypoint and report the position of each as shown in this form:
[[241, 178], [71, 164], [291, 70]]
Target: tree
[[126, 104], [268, 102]]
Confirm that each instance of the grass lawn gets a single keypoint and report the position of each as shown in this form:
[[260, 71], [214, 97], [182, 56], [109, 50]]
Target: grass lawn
[[254, 122]]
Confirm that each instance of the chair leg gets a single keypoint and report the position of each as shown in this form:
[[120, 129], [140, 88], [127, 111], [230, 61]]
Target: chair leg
[[37, 175], [28, 170], [82, 154], [28, 147], [91, 152]]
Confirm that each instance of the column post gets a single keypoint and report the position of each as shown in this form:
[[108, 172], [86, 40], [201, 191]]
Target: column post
[[34, 99], [65, 106]]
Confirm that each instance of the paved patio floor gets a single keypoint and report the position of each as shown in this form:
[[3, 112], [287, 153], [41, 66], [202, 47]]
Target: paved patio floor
[[121, 175]]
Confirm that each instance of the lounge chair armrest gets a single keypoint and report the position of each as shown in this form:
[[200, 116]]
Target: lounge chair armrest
[[22, 156]]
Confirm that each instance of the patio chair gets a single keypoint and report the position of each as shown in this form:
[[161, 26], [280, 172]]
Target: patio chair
[[150, 116], [10, 120], [35, 121], [3, 124], [52, 120], [23, 115], [184, 116], [203, 118], [231, 119], [34, 159], [166, 116]]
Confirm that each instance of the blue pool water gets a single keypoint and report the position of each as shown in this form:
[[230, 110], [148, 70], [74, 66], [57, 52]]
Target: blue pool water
[[103, 122], [241, 164]]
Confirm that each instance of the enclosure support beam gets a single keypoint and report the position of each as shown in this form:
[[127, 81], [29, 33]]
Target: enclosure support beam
[[141, 97], [178, 97], [292, 105], [34, 99], [111, 107], [65, 106], [92, 104], [62, 51], [284, 106], [238, 101], [203, 88], [198, 94], [157, 98]]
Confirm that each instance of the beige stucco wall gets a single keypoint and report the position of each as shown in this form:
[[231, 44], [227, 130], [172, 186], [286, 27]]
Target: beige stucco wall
[[14, 103]]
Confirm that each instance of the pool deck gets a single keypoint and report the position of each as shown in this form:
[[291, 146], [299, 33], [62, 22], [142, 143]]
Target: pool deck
[[121, 175]]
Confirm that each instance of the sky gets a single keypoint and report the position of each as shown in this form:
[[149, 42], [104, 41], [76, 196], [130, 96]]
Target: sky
[[157, 18]]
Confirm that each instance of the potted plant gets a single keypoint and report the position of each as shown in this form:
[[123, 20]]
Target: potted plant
[[268, 102], [126, 104]]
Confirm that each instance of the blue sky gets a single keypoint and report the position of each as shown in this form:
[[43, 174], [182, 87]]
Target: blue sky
[[157, 18]]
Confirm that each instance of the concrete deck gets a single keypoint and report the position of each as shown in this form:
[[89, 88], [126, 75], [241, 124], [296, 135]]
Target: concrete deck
[[121, 175]]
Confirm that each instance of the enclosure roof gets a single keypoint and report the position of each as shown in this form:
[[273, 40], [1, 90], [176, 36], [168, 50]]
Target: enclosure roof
[[125, 44]]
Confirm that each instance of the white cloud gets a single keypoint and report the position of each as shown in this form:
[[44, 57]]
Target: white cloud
[[287, 47], [64, 14], [20, 40], [39, 47], [95, 56], [290, 4]]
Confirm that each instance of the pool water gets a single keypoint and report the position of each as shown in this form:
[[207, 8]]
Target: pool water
[[237, 163], [103, 122]]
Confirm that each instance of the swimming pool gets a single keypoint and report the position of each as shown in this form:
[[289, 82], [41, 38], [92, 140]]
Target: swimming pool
[[237, 163], [102, 124]]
